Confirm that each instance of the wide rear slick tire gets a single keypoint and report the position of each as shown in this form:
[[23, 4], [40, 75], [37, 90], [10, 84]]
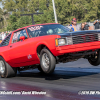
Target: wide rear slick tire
[[47, 61], [95, 59], [6, 70]]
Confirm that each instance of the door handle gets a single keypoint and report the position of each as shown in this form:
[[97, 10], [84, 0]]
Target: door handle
[[10, 46]]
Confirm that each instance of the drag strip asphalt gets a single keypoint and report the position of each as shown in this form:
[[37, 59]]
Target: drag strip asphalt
[[67, 81]]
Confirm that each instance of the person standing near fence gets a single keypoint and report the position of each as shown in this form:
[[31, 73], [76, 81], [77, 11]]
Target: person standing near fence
[[82, 26], [7, 33], [3, 35], [74, 26], [96, 24], [86, 27]]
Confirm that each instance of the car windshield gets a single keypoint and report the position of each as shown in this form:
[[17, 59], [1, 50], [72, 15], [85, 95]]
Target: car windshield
[[41, 30]]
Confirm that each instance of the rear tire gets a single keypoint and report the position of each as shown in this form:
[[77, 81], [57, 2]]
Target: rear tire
[[95, 59], [47, 61], [6, 70]]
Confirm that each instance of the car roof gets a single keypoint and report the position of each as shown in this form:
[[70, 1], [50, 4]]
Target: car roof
[[42, 24], [34, 25]]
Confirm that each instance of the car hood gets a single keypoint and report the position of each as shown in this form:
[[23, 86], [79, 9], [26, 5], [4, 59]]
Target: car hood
[[79, 33]]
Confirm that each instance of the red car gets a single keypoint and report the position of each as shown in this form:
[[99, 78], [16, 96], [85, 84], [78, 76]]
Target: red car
[[42, 46]]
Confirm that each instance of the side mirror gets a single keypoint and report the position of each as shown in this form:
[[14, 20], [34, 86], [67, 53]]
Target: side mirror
[[22, 38]]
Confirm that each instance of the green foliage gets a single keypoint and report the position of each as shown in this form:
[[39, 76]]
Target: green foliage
[[15, 22], [24, 21], [12, 25], [83, 10]]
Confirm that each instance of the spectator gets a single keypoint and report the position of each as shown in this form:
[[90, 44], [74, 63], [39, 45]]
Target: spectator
[[3, 35], [82, 26], [7, 33], [96, 24], [74, 25], [86, 27]]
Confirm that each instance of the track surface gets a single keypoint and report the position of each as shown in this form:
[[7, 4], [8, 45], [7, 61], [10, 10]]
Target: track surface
[[64, 84]]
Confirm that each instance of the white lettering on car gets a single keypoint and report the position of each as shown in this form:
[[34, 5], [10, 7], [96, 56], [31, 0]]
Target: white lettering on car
[[35, 28]]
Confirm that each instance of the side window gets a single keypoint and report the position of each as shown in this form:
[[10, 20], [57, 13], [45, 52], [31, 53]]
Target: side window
[[5, 42], [18, 34]]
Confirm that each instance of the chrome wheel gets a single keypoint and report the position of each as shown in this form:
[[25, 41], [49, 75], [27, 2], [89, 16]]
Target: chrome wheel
[[2, 67], [45, 60]]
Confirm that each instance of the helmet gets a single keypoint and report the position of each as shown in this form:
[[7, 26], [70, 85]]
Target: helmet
[[74, 19], [50, 31]]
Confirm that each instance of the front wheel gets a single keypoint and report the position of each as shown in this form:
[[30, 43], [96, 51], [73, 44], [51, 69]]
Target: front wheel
[[47, 61], [94, 59], [6, 70]]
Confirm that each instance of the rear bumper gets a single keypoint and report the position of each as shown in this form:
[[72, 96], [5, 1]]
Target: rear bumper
[[77, 47]]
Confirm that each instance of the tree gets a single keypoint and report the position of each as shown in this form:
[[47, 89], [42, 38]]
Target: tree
[[83, 10], [1, 19]]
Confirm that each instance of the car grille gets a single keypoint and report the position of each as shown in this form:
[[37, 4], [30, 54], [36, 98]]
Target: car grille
[[84, 38]]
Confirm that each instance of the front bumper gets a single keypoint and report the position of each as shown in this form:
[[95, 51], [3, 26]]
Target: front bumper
[[77, 48]]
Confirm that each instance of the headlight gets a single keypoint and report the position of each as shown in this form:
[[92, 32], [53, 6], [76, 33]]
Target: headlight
[[98, 36], [64, 41], [61, 41], [69, 41]]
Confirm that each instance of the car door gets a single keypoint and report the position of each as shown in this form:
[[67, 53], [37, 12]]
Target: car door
[[20, 51]]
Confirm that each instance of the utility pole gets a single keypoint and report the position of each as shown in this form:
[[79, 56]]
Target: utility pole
[[54, 11], [31, 16]]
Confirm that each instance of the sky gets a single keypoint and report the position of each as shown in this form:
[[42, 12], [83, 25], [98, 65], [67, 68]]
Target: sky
[[1, 5]]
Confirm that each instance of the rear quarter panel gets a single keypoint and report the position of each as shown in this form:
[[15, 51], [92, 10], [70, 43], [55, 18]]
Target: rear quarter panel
[[4, 52]]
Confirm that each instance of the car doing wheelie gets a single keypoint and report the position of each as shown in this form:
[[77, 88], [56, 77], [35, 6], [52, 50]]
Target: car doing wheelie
[[42, 46]]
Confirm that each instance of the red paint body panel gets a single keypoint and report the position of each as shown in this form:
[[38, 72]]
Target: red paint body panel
[[77, 47], [28, 47], [19, 51], [24, 53]]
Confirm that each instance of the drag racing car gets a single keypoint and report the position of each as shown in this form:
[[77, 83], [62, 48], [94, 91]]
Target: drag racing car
[[43, 46]]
